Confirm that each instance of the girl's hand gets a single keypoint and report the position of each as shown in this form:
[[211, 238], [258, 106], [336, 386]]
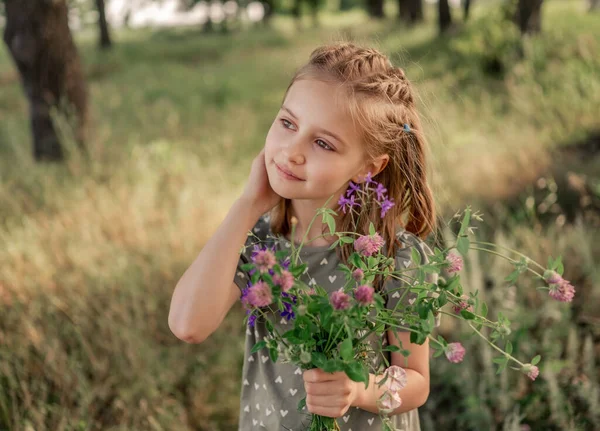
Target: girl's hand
[[258, 192], [329, 394]]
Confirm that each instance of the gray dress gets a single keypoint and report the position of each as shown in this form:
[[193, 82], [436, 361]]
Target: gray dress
[[271, 391]]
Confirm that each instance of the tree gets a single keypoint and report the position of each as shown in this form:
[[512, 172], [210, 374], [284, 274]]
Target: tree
[[38, 37], [528, 16], [103, 24], [375, 8], [410, 11], [444, 16], [466, 9]]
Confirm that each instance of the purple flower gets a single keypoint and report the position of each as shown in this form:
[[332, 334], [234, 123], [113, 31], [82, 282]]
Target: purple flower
[[386, 205], [552, 277], [563, 291], [531, 370], [463, 305], [358, 274], [258, 295], [288, 313], [560, 289], [368, 245], [455, 263], [364, 294], [352, 188], [455, 352], [285, 280], [380, 190], [397, 378], [348, 203], [389, 402], [369, 180], [340, 300], [264, 260], [252, 320]]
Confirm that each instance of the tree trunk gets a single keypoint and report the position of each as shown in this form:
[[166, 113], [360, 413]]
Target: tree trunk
[[103, 24], [466, 9], [375, 8], [594, 5], [529, 16], [445, 19], [410, 11], [38, 37]]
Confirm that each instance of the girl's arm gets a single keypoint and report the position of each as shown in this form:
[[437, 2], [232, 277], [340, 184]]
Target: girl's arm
[[206, 291]]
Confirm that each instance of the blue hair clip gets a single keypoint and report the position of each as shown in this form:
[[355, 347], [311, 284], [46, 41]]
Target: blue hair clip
[[406, 128]]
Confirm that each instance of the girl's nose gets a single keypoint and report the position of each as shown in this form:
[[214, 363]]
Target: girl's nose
[[294, 152]]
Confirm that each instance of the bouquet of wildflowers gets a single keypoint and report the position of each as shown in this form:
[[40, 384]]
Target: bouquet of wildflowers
[[330, 331]]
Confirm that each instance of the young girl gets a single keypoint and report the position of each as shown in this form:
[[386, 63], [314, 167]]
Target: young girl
[[348, 116]]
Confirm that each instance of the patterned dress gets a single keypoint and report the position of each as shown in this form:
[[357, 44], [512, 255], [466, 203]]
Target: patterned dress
[[271, 391]]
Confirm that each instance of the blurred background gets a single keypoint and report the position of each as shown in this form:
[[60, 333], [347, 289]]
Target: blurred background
[[127, 129]]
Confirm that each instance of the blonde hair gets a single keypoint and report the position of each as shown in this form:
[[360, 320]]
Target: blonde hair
[[380, 101]]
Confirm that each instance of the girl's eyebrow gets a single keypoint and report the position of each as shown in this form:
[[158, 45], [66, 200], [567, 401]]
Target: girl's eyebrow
[[325, 132]]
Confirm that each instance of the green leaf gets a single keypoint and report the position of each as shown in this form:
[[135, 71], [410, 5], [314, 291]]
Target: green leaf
[[347, 239], [301, 404], [330, 222], [484, 309], [391, 348], [462, 245], [415, 256], [465, 222], [355, 372], [247, 266], [273, 353], [318, 359], [297, 271], [509, 347], [346, 349], [258, 346], [269, 325], [371, 229], [334, 245], [536, 360], [467, 314]]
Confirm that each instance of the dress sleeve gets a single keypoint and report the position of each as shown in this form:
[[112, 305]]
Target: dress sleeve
[[257, 236], [398, 290]]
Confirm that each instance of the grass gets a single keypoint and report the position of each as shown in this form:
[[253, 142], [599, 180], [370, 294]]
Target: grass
[[90, 252]]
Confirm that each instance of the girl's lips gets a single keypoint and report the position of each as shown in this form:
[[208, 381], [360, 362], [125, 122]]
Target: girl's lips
[[286, 174]]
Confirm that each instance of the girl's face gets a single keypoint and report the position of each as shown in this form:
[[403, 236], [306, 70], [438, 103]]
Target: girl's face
[[313, 149]]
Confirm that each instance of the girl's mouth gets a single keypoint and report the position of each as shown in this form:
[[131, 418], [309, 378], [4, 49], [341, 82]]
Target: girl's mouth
[[286, 174]]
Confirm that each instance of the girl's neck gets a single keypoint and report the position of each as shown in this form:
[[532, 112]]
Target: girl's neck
[[304, 210]]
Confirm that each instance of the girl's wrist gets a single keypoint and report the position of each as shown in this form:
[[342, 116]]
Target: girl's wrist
[[248, 209]]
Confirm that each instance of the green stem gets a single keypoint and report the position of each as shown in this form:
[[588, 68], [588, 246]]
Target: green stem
[[496, 347], [504, 257], [511, 250]]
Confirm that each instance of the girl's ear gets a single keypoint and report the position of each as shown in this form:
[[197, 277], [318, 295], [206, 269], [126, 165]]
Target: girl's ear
[[374, 166]]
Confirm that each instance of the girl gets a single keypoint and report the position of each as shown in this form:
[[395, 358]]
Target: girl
[[347, 116]]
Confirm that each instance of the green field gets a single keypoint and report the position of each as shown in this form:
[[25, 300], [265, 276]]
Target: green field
[[90, 251]]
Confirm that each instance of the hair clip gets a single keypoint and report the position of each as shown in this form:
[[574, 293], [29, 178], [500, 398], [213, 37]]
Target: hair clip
[[406, 128]]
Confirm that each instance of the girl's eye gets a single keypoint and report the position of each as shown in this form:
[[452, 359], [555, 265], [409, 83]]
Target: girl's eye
[[324, 145], [285, 123], [319, 142]]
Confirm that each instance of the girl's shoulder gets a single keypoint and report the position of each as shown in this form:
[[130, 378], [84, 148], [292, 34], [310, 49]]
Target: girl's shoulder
[[407, 241]]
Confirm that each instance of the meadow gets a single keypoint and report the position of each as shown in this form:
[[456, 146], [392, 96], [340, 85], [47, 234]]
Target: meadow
[[91, 249]]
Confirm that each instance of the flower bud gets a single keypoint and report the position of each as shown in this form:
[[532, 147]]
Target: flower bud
[[301, 311], [305, 357]]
